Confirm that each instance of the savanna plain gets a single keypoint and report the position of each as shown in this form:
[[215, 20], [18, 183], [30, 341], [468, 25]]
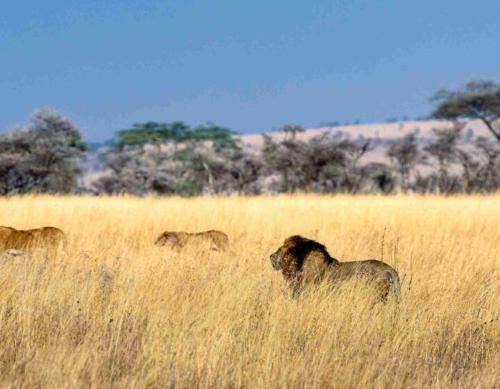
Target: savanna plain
[[113, 310]]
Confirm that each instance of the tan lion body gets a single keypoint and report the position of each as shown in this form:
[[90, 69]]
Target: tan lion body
[[216, 240], [303, 261], [50, 238]]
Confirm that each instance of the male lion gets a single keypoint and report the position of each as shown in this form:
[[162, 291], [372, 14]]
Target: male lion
[[50, 238], [216, 240], [304, 261]]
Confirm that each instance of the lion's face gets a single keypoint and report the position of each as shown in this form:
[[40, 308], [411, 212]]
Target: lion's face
[[289, 244], [168, 239], [277, 258]]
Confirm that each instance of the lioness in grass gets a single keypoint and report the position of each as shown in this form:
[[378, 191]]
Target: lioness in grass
[[215, 240], [304, 261], [50, 238]]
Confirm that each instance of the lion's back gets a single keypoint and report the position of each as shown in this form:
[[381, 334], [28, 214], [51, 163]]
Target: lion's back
[[52, 233], [216, 240], [18, 240], [219, 238], [52, 236], [372, 267], [380, 273], [44, 237]]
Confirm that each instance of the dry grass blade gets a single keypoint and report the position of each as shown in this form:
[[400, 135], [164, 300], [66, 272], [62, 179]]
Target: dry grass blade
[[114, 310]]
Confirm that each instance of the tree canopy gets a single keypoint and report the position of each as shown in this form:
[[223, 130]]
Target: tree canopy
[[475, 100], [151, 132], [177, 132]]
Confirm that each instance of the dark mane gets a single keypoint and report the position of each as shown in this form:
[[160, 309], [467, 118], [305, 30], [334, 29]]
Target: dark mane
[[301, 247]]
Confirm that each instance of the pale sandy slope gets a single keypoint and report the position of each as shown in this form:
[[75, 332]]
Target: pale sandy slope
[[377, 132], [382, 131]]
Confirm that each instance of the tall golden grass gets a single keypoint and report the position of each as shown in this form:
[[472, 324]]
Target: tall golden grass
[[115, 311]]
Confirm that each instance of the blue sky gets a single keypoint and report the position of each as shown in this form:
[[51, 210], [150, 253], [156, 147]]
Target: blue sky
[[248, 65]]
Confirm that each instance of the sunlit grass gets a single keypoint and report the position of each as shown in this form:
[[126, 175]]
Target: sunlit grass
[[117, 311]]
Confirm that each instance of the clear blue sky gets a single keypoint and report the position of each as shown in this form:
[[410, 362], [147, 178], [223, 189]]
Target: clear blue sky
[[248, 65]]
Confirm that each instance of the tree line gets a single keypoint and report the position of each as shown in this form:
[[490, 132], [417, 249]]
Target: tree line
[[175, 158]]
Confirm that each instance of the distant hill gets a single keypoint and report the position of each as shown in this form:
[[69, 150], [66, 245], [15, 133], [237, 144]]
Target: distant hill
[[380, 136], [379, 133]]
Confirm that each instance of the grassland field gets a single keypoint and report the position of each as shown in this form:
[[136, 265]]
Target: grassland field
[[113, 310]]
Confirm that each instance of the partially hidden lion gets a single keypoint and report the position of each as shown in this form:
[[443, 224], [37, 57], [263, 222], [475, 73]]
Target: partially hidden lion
[[216, 240], [50, 238], [304, 261]]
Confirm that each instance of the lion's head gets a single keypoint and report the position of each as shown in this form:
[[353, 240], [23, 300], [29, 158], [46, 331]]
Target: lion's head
[[295, 251], [170, 239]]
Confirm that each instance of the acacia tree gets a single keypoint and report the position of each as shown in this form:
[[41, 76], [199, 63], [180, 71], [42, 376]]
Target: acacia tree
[[194, 160], [282, 158], [476, 100], [42, 157], [353, 174], [481, 166], [445, 150], [137, 170], [379, 176], [245, 173], [291, 130], [406, 154], [489, 170], [320, 164]]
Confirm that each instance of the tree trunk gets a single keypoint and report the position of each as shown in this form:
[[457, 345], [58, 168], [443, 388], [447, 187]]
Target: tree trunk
[[492, 129], [210, 177]]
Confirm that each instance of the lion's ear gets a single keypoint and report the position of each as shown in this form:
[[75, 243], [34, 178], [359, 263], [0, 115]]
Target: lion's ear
[[334, 260]]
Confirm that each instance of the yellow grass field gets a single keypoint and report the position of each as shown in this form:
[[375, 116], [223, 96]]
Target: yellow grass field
[[115, 311]]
